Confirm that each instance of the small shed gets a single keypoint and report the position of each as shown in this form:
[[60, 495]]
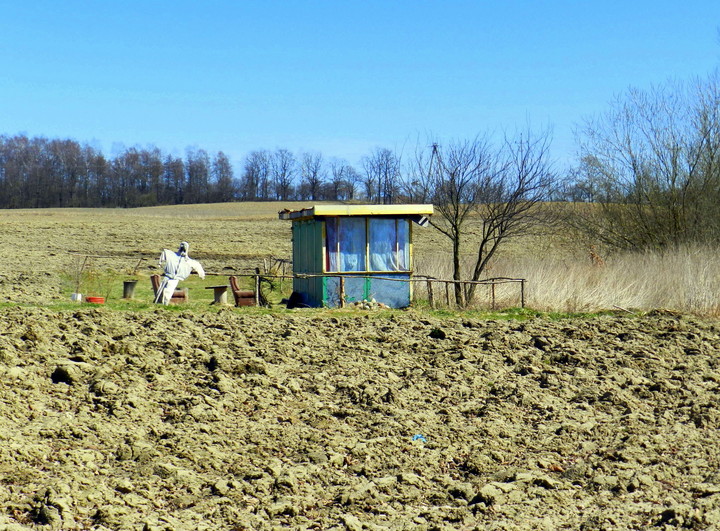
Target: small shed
[[369, 247]]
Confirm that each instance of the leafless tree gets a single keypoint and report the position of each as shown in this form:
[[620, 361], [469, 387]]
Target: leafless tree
[[343, 180], [174, 179], [125, 174], [151, 162], [223, 180], [502, 188], [40, 173], [652, 162], [338, 175], [283, 172], [381, 175], [97, 169], [455, 174], [197, 169], [312, 175], [256, 179], [510, 202]]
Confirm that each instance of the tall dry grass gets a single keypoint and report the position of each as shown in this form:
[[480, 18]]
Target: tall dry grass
[[684, 279]]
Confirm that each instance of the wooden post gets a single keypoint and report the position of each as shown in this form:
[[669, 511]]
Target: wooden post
[[447, 293], [257, 286], [431, 299], [522, 293], [342, 292], [492, 289], [282, 274]]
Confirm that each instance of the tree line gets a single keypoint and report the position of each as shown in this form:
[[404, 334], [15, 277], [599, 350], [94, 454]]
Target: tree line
[[42, 173], [37, 172]]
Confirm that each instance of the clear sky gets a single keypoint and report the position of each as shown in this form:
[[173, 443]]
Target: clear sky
[[339, 77]]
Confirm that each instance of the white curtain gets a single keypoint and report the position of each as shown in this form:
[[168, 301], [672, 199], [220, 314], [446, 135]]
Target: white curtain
[[353, 242]]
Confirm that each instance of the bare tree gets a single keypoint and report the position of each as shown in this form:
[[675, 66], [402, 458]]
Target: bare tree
[[338, 175], [255, 182], [197, 170], [283, 171], [652, 162], [343, 181], [312, 175], [96, 182], [381, 175], [152, 169], [174, 179], [510, 202], [502, 188], [352, 182], [223, 180], [126, 174], [456, 174], [65, 157]]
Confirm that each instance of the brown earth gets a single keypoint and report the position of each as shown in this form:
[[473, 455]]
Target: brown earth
[[134, 417], [356, 420]]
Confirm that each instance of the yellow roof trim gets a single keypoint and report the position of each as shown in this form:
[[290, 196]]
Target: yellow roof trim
[[357, 210]]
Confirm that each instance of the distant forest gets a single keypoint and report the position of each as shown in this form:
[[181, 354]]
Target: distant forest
[[43, 173]]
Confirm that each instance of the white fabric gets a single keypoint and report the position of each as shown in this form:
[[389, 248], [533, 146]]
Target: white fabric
[[383, 239], [167, 288], [176, 268]]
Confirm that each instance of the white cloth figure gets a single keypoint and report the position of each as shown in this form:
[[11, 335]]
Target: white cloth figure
[[177, 266]]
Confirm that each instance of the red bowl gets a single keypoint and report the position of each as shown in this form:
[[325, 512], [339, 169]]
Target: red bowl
[[95, 300]]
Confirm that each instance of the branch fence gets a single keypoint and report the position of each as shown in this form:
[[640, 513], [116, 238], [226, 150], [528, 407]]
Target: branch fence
[[428, 282]]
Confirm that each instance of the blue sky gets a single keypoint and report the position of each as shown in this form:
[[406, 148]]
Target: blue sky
[[339, 77]]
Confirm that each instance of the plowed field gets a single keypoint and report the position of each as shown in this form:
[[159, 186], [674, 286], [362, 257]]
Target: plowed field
[[311, 419]]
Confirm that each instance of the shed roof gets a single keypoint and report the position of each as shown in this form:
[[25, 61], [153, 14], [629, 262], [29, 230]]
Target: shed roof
[[357, 210]]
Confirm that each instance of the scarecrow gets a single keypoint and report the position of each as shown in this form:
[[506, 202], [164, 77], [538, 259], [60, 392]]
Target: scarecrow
[[178, 266]]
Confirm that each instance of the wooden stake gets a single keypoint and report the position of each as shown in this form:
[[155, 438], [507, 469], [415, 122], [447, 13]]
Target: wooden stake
[[431, 298], [257, 286], [342, 292]]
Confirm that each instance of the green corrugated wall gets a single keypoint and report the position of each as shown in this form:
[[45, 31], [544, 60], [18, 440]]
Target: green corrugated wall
[[308, 257]]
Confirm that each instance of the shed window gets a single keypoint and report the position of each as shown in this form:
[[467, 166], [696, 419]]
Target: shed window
[[367, 244], [346, 244]]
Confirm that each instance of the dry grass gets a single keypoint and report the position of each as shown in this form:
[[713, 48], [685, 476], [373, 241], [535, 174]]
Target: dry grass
[[686, 279]]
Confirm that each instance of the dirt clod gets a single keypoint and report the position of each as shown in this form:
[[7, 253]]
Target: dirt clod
[[132, 420]]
